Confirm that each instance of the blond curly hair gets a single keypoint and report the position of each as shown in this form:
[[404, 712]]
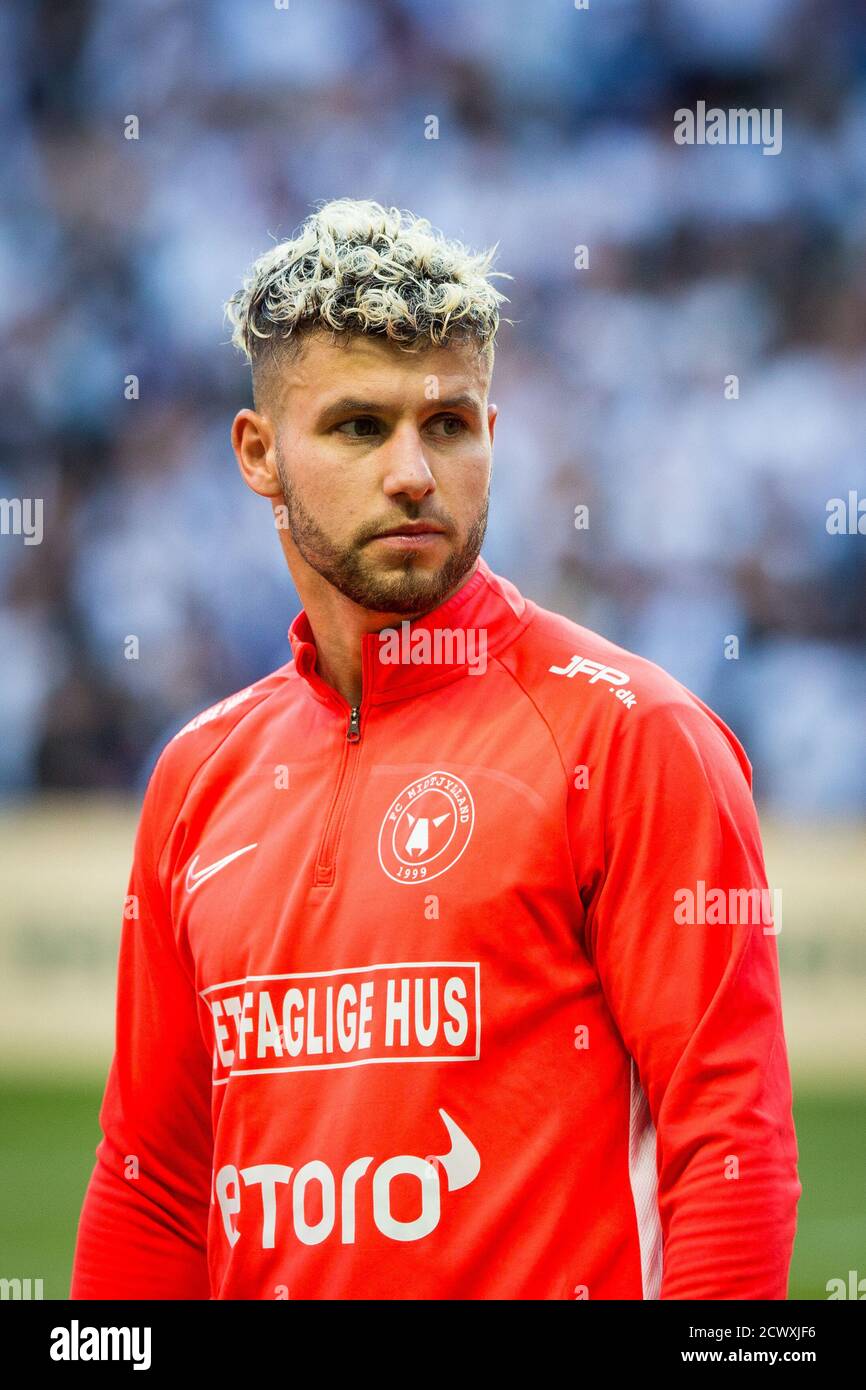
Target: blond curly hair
[[357, 267]]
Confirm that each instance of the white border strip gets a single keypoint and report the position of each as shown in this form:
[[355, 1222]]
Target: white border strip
[[643, 1176]]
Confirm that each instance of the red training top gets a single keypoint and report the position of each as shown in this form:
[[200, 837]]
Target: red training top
[[469, 992]]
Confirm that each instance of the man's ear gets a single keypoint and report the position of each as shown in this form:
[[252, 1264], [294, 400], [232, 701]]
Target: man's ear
[[492, 412], [254, 444]]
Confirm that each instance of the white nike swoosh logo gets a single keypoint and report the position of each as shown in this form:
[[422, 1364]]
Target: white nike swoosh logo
[[462, 1163], [193, 878]]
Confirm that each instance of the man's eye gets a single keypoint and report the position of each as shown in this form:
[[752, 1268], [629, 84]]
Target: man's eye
[[450, 425], [363, 427]]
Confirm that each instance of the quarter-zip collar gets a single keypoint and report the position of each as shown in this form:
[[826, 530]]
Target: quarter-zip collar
[[459, 638]]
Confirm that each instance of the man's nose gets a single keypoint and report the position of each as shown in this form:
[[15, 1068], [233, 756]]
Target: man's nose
[[406, 466]]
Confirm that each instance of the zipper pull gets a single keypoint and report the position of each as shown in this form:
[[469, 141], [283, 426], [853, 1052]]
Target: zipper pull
[[353, 733]]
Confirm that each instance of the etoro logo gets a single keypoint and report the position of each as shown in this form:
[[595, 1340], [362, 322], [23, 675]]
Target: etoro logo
[[338, 1194], [426, 828]]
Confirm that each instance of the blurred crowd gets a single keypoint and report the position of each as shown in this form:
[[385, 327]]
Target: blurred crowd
[[699, 384]]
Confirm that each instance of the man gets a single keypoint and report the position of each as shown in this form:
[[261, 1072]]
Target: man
[[446, 978]]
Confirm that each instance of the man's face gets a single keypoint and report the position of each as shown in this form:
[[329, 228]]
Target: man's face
[[369, 438]]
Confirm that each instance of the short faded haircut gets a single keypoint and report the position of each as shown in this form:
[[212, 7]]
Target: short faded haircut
[[355, 267]]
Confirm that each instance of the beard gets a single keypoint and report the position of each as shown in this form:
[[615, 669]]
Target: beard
[[402, 586]]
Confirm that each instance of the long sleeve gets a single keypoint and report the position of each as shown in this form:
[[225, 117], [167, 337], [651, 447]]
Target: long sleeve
[[697, 1003], [143, 1225]]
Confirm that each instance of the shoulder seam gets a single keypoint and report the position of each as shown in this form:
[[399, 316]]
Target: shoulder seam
[[566, 835], [531, 698]]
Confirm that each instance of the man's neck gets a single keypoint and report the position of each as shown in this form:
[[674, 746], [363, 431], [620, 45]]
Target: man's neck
[[338, 624]]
